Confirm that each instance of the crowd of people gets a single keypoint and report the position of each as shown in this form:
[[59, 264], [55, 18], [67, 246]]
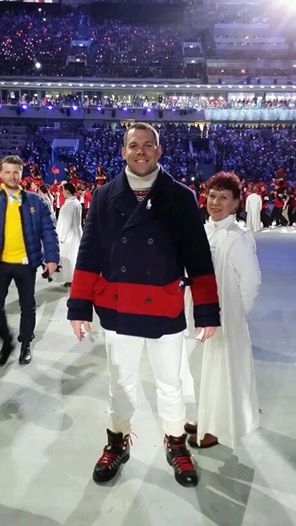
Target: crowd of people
[[148, 102], [275, 190], [39, 44], [74, 43], [189, 151], [254, 153]]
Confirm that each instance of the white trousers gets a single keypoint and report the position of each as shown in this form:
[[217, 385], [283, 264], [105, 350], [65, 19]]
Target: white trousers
[[165, 354]]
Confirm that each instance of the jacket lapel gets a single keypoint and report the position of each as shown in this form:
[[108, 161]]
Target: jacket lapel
[[156, 203]]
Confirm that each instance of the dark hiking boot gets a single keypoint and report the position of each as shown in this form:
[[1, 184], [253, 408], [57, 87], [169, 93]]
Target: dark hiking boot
[[180, 459], [116, 452]]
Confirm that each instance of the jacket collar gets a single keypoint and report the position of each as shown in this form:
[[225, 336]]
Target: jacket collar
[[23, 193], [156, 203]]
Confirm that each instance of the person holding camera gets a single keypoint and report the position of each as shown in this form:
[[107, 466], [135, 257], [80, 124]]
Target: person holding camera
[[27, 239]]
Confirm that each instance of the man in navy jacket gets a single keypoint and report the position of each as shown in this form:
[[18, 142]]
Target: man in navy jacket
[[142, 237], [27, 239]]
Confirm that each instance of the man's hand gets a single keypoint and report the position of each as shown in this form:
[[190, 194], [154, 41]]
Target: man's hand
[[203, 333], [80, 328], [50, 268]]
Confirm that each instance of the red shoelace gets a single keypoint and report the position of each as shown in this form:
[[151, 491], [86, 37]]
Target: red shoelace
[[183, 462]]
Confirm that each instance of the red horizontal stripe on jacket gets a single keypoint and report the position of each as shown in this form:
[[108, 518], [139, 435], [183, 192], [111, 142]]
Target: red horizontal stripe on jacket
[[133, 298], [83, 285], [204, 289]]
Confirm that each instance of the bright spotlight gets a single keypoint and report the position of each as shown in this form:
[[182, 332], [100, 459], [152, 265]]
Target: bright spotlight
[[37, 65], [286, 3]]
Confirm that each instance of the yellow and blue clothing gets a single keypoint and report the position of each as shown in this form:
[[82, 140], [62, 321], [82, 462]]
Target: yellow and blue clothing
[[14, 249], [27, 239]]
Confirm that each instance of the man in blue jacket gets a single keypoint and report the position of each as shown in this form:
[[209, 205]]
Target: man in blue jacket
[[143, 234], [27, 240]]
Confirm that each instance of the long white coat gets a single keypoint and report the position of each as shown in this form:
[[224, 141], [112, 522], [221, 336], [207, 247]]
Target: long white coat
[[69, 232], [228, 405], [253, 209]]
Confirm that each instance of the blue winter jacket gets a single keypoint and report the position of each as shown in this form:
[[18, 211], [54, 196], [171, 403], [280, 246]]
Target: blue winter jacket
[[39, 232]]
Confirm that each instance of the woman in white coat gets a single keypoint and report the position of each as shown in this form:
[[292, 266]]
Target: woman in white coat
[[227, 407], [69, 232]]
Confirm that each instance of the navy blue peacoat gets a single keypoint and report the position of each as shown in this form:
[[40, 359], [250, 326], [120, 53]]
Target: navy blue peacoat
[[133, 257]]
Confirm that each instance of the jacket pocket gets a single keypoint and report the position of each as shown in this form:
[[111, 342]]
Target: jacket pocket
[[100, 286]]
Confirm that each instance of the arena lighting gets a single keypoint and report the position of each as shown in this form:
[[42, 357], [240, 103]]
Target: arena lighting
[[283, 87], [155, 86], [24, 107], [74, 107], [149, 110], [144, 85], [287, 3], [49, 107], [123, 85]]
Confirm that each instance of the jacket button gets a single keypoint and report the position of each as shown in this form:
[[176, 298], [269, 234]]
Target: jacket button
[[124, 240], [123, 268], [148, 271], [150, 240], [148, 300], [122, 214]]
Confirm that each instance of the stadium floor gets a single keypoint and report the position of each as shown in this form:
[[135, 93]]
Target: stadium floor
[[53, 417]]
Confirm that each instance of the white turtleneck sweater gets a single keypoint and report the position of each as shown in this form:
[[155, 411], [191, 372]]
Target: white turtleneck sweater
[[141, 184]]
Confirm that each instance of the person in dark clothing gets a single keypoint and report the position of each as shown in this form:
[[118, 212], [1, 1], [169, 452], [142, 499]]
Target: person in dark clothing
[[27, 240]]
